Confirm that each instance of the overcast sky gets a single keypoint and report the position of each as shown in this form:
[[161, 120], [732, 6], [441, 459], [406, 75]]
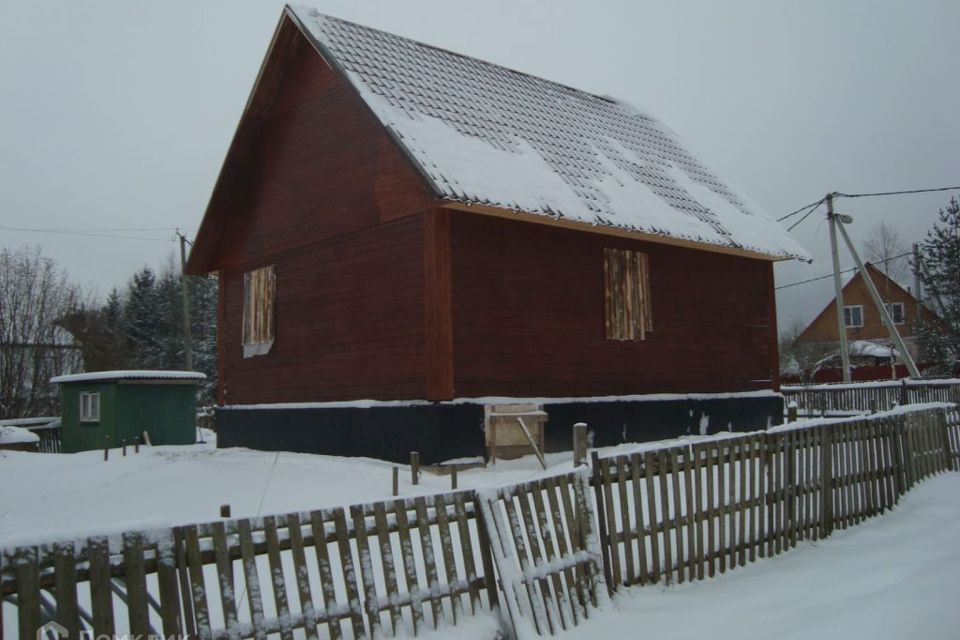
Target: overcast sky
[[115, 116]]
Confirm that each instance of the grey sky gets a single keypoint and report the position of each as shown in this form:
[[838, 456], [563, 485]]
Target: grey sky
[[118, 114]]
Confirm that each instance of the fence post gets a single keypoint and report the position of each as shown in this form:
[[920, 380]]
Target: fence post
[[415, 467], [896, 455], [396, 480], [904, 394], [945, 436], [579, 444], [604, 535], [826, 480], [792, 411]]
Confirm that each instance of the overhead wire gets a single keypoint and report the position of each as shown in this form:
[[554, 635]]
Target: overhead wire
[[830, 275]]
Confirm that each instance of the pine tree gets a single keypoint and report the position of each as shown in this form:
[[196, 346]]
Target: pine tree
[[940, 275], [142, 320]]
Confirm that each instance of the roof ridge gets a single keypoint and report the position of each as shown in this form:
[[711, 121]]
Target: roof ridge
[[605, 97]]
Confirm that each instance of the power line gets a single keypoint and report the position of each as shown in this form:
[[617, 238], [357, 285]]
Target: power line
[[806, 206], [815, 206], [95, 233], [895, 193], [830, 275]]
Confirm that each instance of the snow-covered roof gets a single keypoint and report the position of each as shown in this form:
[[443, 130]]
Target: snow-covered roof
[[144, 374], [872, 349], [486, 135], [17, 435]]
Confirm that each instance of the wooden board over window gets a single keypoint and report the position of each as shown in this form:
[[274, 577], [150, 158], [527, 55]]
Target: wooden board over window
[[259, 290], [626, 277]]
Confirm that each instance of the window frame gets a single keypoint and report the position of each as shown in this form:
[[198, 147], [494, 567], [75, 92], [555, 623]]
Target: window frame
[[258, 323], [89, 407], [903, 312], [628, 315], [851, 325]]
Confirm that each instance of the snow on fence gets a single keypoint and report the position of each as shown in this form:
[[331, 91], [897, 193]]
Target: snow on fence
[[545, 547], [685, 513], [870, 396], [546, 550]]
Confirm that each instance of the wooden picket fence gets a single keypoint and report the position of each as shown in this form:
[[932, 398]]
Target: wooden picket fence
[[870, 396], [689, 512], [397, 567], [549, 549]]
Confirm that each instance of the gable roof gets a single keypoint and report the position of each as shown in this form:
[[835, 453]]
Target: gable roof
[[482, 134], [882, 281]]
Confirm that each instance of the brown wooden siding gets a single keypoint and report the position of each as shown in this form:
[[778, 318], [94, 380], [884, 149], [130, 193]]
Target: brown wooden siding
[[318, 165], [528, 316], [824, 328], [349, 318]]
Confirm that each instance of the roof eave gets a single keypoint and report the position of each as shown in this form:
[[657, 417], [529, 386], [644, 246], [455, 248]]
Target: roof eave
[[539, 218]]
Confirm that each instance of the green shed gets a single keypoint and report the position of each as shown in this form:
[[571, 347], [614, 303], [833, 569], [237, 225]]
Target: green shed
[[121, 405]]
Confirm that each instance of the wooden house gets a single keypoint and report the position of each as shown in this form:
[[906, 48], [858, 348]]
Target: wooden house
[[863, 323], [401, 223]]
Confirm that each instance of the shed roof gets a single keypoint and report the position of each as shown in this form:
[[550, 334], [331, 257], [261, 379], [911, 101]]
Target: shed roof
[[143, 375], [482, 134]]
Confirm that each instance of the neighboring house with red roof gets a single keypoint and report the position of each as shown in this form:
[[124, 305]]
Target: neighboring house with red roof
[[400, 222]]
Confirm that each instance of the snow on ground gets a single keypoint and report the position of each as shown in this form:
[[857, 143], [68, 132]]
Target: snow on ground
[[78, 494], [895, 576]]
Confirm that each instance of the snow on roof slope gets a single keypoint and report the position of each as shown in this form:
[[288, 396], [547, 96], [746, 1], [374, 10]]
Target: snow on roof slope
[[144, 374], [484, 134], [17, 435]]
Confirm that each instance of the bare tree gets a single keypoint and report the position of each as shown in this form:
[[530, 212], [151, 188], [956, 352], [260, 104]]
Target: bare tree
[[886, 251], [34, 295], [800, 360]]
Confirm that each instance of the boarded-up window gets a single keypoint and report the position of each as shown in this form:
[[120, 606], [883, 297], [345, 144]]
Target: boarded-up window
[[626, 278], [259, 290]]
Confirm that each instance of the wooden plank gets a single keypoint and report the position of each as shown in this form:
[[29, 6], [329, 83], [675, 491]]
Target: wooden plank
[[449, 562], [367, 578], [743, 459], [198, 588], [466, 549], [613, 531], [251, 577], [534, 540], [277, 579], [625, 528], [183, 576], [325, 570], [221, 552], [409, 563], [577, 542], [136, 584], [665, 520], [551, 553], [534, 595], [690, 519], [65, 588], [28, 592], [101, 597], [348, 569], [170, 613], [301, 572], [574, 589], [605, 540], [701, 499], [677, 497], [711, 452], [722, 471], [429, 559], [639, 530], [484, 544], [388, 564]]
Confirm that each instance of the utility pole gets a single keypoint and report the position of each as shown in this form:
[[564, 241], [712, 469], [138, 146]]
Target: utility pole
[[185, 294], [841, 318], [881, 307]]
